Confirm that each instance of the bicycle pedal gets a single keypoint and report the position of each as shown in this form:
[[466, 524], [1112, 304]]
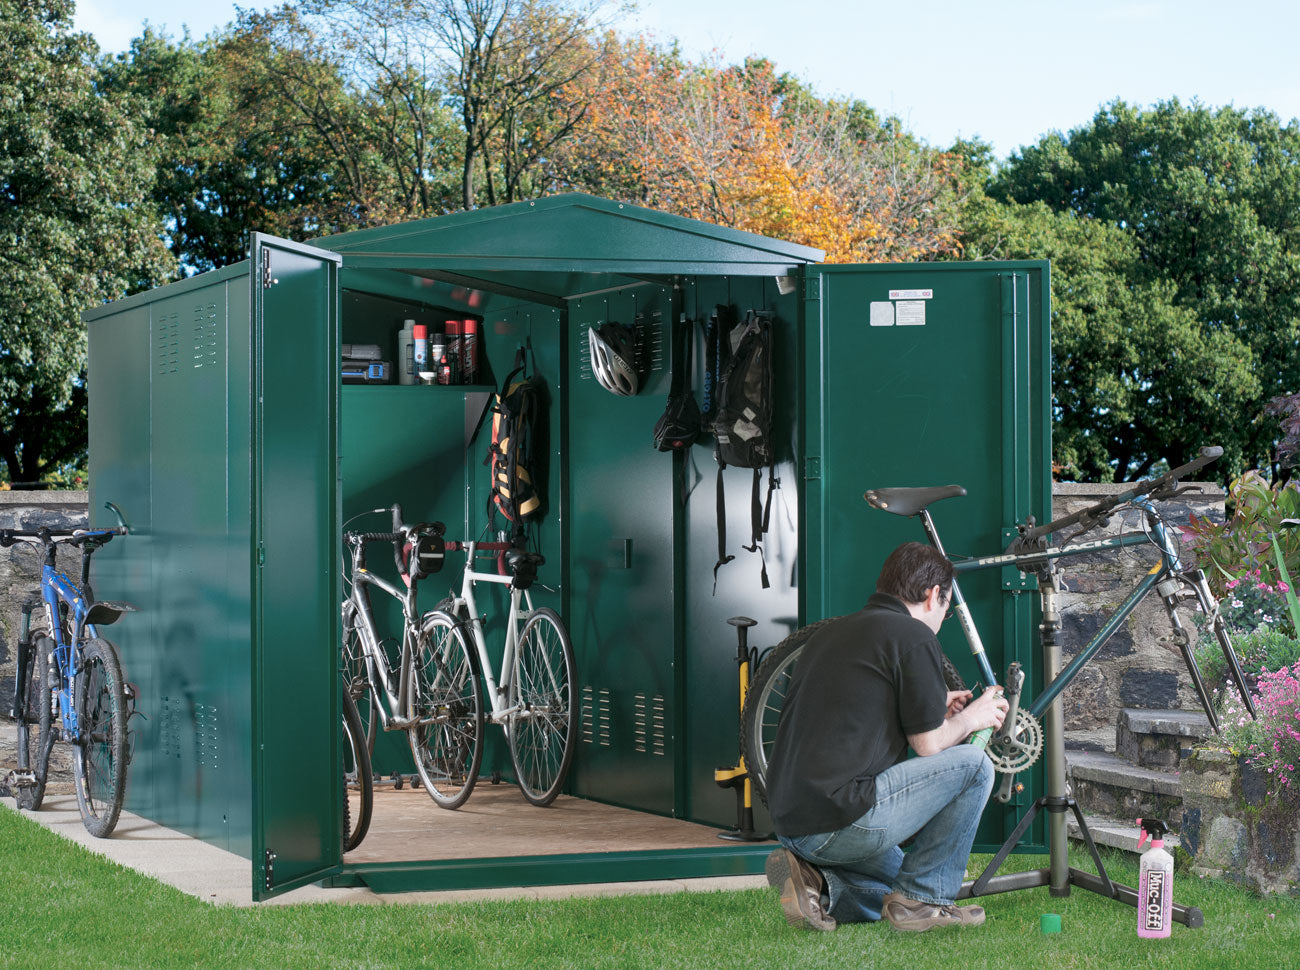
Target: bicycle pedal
[[20, 779]]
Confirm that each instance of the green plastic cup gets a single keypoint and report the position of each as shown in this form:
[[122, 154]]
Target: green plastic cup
[[1049, 923]]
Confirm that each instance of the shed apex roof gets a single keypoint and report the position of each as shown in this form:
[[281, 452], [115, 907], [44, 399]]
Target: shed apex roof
[[571, 228]]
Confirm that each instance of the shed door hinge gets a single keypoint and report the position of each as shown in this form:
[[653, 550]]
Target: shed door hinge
[[812, 469], [270, 868], [261, 554], [268, 280], [812, 287]]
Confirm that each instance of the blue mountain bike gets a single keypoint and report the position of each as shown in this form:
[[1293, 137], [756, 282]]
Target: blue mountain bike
[[69, 685]]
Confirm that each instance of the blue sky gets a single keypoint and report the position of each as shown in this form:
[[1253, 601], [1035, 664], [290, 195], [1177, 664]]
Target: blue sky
[[1007, 71]]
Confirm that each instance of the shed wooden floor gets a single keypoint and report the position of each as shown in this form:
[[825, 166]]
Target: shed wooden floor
[[496, 821]]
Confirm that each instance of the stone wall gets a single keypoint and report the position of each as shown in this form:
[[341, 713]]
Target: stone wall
[[1226, 833], [1140, 666], [20, 576]]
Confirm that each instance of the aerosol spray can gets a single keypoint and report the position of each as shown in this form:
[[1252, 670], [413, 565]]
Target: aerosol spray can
[[437, 354], [421, 352], [454, 356], [1156, 883], [468, 351]]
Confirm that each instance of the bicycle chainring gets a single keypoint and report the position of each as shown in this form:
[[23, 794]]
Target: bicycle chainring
[[1022, 749]]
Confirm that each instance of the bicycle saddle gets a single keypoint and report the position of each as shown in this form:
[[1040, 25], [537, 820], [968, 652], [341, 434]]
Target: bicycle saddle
[[104, 612], [909, 501]]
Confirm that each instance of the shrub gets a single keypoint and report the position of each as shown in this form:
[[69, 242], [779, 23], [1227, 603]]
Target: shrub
[[1271, 742], [1242, 545], [1261, 650]]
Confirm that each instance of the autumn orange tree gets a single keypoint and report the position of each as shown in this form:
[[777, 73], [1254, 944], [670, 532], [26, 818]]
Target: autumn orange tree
[[742, 146]]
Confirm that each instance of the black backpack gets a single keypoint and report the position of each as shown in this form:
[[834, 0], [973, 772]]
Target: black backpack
[[514, 452], [742, 421]]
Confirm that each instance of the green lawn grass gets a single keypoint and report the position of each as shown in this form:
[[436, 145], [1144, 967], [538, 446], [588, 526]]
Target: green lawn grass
[[61, 905]]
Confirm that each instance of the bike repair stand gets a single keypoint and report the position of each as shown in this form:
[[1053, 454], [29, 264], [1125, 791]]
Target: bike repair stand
[[737, 777], [1059, 876]]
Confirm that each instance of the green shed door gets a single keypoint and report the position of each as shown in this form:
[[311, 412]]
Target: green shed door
[[295, 386], [928, 374]]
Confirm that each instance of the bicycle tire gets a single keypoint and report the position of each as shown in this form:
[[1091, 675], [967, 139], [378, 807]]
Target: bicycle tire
[[447, 688], [99, 754], [35, 735], [358, 777], [765, 699], [355, 680], [543, 730]]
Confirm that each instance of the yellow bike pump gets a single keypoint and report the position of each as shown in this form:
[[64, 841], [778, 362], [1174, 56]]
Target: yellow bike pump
[[738, 777]]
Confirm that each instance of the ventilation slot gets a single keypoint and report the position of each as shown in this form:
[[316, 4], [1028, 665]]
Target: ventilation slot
[[595, 716], [167, 343], [207, 342], [209, 745]]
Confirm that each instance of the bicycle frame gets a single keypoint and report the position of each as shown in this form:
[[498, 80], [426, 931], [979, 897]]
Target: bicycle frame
[[398, 713], [1169, 567], [496, 694]]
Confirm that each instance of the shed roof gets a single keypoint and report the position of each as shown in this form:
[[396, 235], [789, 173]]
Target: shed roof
[[563, 245]]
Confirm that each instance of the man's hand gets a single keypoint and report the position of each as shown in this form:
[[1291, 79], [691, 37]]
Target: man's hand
[[957, 699], [988, 710]]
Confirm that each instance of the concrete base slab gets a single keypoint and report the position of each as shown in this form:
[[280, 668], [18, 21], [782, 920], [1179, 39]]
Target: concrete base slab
[[223, 878]]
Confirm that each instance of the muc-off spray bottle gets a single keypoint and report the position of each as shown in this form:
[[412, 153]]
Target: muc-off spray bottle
[[1156, 884]]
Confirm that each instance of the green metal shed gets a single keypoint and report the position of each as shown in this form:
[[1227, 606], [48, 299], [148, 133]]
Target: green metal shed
[[219, 425]]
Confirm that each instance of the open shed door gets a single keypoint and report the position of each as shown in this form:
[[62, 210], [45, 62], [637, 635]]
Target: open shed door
[[295, 387], [929, 374]]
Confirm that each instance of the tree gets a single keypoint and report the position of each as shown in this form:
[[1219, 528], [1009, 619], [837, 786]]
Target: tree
[[1210, 200], [743, 146], [76, 228]]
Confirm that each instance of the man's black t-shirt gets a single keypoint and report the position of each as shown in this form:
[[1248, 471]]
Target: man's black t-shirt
[[860, 687]]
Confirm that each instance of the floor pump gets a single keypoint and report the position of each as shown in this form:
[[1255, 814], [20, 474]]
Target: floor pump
[[737, 777]]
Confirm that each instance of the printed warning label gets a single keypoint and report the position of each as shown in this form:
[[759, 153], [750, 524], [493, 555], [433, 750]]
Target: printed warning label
[[911, 294], [909, 313]]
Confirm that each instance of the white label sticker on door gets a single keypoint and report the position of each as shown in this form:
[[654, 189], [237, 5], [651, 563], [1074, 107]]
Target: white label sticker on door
[[882, 314], [910, 313], [911, 294]]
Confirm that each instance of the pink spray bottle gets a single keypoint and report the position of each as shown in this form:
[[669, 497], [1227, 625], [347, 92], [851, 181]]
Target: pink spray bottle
[[1156, 883]]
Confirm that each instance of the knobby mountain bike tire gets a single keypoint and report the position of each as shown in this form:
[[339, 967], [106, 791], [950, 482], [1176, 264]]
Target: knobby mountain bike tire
[[765, 699], [358, 778], [448, 694], [99, 754], [35, 734], [543, 730]]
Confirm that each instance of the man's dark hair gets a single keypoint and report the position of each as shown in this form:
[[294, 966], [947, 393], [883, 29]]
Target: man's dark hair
[[913, 568]]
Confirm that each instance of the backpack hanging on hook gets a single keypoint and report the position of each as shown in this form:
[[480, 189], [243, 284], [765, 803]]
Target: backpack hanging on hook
[[742, 423], [514, 455]]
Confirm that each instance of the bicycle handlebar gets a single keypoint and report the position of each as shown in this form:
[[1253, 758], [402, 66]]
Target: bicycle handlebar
[[1099, 511], [462, 545], [72, 536], [376, 536]]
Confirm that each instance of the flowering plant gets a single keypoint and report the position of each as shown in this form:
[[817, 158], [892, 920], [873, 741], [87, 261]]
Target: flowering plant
[[1272, 741], [1250, 603]]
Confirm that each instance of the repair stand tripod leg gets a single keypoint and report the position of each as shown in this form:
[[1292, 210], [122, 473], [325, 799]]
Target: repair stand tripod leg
[[1059, 876]]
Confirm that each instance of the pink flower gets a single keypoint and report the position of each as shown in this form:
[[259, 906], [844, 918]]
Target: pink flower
[[1282, 587], [1264, 587], [1232, 583]]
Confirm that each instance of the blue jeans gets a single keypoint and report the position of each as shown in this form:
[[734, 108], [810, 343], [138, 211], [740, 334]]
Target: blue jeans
[[938, 799]]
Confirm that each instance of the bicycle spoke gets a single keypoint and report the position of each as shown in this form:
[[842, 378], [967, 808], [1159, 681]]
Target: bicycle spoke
[[447, 740], [541, 731]]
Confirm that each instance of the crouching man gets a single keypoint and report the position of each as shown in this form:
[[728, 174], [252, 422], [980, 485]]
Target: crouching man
[[842, 793]]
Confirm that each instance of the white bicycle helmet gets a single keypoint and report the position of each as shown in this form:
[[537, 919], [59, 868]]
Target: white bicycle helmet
[[612, 358]]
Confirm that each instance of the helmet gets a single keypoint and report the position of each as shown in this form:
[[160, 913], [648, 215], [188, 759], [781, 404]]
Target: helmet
[[612, 358]]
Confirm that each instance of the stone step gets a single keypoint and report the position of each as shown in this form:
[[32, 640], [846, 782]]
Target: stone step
[[1158, 738], [1117, 833], [1105, 784]]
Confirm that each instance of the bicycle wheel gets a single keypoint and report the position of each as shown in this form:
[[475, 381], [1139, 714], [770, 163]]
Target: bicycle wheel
[[99, 754], [358, 779], [447, 740], [355, 681], [543, 730], [765, 699], [35, 734]]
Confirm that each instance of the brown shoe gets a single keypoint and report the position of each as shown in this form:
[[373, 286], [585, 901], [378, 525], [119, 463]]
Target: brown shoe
[[801, 895], [917, 917]]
